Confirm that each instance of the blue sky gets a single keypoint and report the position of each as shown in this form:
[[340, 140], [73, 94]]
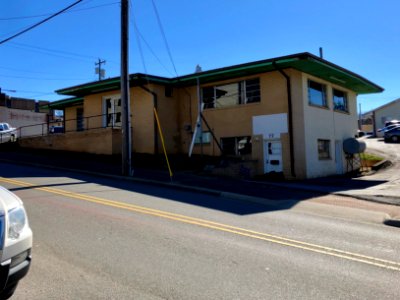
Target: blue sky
[[362, 36]]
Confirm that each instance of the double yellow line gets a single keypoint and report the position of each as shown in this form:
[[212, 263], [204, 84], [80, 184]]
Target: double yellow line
[[377, 262]]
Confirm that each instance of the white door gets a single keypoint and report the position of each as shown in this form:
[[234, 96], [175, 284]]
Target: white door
[[272, 156], [339, 157]]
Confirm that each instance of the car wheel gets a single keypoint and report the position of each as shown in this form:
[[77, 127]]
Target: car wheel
[[8, 292], [395, 139]]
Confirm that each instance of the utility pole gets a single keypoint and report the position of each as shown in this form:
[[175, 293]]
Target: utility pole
[[125, 99], [99, 70]]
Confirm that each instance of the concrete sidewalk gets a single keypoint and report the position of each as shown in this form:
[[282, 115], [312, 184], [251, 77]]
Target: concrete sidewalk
[[382, 187]]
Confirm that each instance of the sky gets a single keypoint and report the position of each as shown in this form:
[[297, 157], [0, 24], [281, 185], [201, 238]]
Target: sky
[[169, 38]]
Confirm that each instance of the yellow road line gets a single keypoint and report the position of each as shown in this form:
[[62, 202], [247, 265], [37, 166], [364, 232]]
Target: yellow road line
[[218, 226]]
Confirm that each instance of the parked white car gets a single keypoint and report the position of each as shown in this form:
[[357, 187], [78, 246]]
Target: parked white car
[[15, 242], [7, 133]]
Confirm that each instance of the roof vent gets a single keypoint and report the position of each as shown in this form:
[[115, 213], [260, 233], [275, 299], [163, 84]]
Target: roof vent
[[353, 146]]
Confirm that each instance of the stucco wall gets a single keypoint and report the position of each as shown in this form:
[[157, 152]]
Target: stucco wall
[[299, 149], [326, 124]]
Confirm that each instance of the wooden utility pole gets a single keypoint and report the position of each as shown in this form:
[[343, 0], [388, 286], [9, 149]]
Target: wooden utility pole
[[125, 99], [99, 70]]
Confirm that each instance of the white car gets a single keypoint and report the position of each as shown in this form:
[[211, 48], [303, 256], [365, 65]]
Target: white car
[[7, 133], [15, 242]]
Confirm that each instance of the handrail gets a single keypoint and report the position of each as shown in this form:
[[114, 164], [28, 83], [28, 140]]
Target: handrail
[[81, 124]]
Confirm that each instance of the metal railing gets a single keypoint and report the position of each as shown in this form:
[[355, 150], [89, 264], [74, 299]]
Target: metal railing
[[71, 125]]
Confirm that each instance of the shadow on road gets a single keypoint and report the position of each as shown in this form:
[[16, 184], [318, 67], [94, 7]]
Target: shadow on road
[[274, 197]]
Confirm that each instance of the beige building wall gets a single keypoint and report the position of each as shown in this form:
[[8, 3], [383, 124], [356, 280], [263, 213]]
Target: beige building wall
[[327, 124], [299, 149]]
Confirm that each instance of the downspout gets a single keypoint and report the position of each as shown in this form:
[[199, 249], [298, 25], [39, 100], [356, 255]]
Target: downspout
[[154, 119], [290, 121]]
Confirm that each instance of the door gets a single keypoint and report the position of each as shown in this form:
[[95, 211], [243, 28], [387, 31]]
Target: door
[[272, 156]]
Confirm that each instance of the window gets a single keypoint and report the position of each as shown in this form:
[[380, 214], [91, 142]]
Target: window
[[317, 94], [206, 137], [79, 119], [232, 94], [113, 111], [340, 101], [324, 149], [236, 145]]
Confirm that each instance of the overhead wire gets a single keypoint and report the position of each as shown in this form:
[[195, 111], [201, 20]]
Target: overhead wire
[[41, 22], [44, 15], [164, 36], [34, 78], [140, 37]]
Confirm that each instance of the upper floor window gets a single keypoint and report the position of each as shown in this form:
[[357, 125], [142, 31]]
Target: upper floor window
[[231, 94], [340, 101], [317, 94], [113, 111]]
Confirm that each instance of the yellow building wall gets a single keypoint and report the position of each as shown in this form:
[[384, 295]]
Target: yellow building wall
[[167, 109], [230, 121], [70, 118], [142, 121]]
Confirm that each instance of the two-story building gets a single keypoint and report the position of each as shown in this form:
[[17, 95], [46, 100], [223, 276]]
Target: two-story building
[[288, 114]]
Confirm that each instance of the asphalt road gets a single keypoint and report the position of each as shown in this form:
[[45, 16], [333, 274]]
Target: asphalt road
[[96, 238]]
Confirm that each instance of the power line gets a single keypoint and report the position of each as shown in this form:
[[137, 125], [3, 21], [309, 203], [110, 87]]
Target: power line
[[35, 78], [139, 37], [164, 36], [44, 15], [21, 45], [39, 23]]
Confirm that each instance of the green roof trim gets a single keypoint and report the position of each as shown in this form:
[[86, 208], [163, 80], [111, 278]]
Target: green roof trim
[[61, 104], [304, 62]]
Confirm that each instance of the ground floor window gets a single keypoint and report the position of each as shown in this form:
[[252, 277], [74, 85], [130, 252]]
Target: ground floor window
[[324, 149], [236, 145], [79, 119]]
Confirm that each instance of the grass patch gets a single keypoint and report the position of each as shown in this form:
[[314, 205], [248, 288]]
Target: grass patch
[[369, 156]]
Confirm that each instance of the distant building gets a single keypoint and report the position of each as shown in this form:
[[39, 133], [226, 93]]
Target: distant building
[[389, 111], [25, 114]]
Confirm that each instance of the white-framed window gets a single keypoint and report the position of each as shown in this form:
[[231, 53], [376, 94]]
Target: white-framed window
[[324, 149], [340, 102], [317, 94], [231, 94], [112, 111]]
